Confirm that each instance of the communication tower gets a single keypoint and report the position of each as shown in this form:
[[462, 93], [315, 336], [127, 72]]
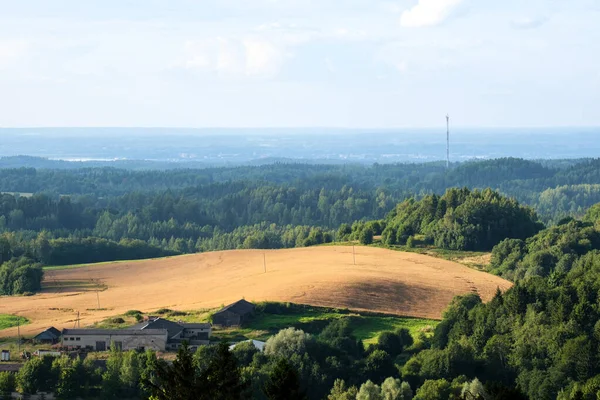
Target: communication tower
[[447, 141]]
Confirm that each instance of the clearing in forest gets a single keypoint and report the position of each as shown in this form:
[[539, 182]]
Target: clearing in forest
[[382, 281]]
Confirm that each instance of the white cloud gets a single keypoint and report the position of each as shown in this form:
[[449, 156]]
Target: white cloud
[[401, 66], [234, 57], [12, 50], [428, 13], [529, 22], [262, 57]]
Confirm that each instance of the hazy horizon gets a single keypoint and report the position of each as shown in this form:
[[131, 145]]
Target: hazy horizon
[[234, 145]]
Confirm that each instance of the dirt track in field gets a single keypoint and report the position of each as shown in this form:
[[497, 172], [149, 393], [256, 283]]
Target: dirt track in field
[[382, 280]]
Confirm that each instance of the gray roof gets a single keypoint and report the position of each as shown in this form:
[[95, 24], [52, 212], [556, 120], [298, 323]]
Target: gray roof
[[114, 332], [50, 333], [172, 327], [240, 307], [197, 326]]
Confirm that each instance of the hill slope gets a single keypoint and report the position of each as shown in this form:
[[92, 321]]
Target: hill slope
[[381, 281]]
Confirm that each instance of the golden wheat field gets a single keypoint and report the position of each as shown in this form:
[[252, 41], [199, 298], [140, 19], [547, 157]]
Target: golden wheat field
[[382, 280]]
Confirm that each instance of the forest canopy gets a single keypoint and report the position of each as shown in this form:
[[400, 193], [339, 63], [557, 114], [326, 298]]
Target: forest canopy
[[461, 220]]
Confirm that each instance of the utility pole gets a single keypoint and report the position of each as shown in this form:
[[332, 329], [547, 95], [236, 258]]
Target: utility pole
[[447, 141], [265, 262], [353, 255], [98, 298]]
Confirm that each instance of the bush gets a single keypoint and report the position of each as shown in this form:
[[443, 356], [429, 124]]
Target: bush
[[20, 276], [394, 343], [410, 242], [133, 313], [270, 307], [366, 236], [177, 314], [8, 383], [287, 343], [117, 320], [434, 390], [163, 311]]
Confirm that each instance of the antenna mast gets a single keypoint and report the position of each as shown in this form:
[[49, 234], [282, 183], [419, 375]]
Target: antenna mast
[[447, 141]]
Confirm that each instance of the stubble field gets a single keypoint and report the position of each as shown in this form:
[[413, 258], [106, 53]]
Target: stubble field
[[382, 281]]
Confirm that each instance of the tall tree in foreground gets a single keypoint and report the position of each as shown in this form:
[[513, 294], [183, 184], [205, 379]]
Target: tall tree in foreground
[[222, 378], [178, 381], [283, 383]]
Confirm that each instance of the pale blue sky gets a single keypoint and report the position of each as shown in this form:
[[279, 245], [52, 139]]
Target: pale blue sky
[[341, 63]]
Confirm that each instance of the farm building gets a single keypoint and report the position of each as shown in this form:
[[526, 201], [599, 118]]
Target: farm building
[[49, 336], [234, 314], [194, 334], [154, 334], [125, 339]]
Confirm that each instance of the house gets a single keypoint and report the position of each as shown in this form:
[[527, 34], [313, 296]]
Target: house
[[234, 314], [49, 336], [156, 334], [124, 339], [194, 334]]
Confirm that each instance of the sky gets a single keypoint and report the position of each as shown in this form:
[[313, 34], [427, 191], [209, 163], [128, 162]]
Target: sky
[[299, 63]]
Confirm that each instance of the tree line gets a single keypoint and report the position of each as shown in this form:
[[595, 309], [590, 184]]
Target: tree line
[[460, 219], [525, 180]]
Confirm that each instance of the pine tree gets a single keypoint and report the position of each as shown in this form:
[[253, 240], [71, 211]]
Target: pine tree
[[222, 376], [283, 383], [178, 381]]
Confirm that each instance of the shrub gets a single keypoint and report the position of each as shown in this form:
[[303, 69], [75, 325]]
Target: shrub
[[366, 236], [177, 314], [287, 343], [117, 320], [8, 383]]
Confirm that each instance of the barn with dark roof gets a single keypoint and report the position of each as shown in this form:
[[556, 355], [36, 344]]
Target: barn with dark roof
[[234, 314], [49, 336]]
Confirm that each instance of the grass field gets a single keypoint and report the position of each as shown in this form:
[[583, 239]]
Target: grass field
[[267, 322], [381, 281], [473, 259], [9, 321]]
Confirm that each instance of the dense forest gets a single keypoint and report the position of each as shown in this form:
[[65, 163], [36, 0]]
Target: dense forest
[[460, 220], [574, 180], [542, 336], [67, 216]]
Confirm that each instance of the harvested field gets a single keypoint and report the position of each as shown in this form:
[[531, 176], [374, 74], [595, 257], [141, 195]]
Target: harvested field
[[384, 281]]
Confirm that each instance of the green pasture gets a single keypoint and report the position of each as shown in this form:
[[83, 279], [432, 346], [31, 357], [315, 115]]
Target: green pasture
[[9, 321]]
